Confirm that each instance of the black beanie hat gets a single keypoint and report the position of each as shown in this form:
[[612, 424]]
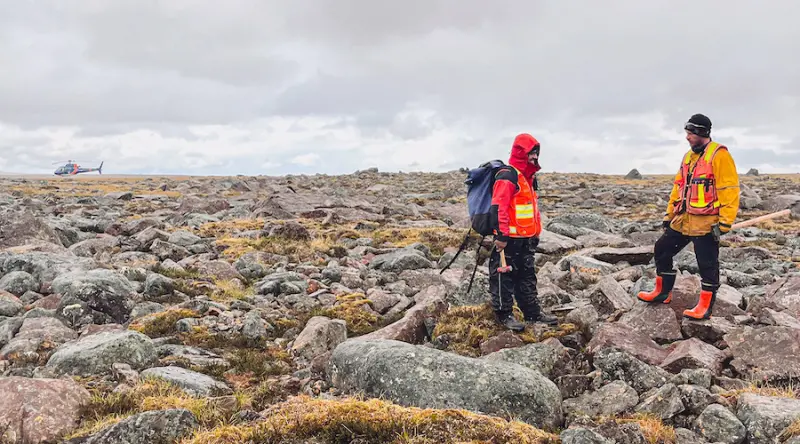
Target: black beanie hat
[[699, 124]]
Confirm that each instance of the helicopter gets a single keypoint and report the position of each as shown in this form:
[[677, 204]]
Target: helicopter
[[71, 168]]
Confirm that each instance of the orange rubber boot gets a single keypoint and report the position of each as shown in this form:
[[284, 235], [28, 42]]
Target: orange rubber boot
[[663, 291], [704, 306]]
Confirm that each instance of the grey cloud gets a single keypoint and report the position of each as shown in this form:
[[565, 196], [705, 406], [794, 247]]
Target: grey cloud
[[110, 68], [167, 130], [744, 158]]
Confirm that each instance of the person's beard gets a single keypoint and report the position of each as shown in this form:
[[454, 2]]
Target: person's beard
[[697, 149]]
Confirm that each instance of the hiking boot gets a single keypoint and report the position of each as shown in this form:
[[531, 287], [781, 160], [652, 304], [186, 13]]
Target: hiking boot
[[543, 318], [512, 324]]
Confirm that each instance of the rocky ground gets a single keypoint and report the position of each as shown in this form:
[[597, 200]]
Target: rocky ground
[[312, 309]]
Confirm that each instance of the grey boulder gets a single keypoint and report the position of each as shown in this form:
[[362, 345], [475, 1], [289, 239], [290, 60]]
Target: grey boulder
[[424, 377]]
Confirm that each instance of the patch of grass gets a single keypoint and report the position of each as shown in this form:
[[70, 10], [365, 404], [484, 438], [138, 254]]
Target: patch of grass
[[250, 360], [437, 239], [141, 207], [314, 250], [258, 364], [107, 408], [92, 426], [267, 393], [282, 325], [790, 432], [467, 327], [194, 287], [354, 420], [765, 388], [227, 291], [87, 187], [201, 336], [653, 428], [228, 227], [351, 309], [323, 243], [163, 323]]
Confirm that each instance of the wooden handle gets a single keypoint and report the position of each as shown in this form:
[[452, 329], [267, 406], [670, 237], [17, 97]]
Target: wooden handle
[[758, 219], [503, 258]]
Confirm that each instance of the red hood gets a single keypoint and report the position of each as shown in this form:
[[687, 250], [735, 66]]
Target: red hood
[[523, 144]]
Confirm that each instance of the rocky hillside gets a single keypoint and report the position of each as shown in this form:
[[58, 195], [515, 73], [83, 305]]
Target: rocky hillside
[[312, 309]]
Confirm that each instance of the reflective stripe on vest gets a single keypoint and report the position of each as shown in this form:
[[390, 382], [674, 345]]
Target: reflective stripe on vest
[[697, 186], [524, 220]]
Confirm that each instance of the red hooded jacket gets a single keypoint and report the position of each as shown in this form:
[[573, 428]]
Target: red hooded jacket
[[505, 185]]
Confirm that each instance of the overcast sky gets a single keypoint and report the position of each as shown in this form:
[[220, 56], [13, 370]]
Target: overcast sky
[[333, 86]]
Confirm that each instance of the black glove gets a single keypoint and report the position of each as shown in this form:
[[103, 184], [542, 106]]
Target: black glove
[[716, 232], [665, 224], [534, 242]]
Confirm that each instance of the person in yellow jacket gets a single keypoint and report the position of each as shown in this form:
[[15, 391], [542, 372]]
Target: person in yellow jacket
[[702, 207]]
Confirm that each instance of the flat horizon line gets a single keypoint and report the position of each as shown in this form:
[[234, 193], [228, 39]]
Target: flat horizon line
[[10, 174]]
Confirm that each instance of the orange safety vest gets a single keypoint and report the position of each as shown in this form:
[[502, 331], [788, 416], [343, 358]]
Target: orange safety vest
[[698, 185], [524, 219]]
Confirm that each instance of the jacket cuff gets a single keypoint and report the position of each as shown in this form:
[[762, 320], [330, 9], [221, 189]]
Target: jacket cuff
[[724, 227], [501, 238]]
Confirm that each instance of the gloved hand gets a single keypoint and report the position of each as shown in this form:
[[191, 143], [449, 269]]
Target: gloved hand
[[716, 232], [665, 224], [534, 242]]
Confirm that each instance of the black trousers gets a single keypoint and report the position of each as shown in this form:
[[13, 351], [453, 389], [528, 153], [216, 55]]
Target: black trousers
[[706, 250], [519, 284]]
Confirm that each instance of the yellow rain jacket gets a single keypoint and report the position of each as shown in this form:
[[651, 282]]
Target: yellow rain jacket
[[727, 182]]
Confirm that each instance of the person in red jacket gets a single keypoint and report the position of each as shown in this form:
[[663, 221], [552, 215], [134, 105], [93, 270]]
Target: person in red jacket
[[517, 225]]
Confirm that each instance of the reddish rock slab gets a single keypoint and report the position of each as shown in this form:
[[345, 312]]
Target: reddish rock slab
[[711, 331], [502, 341], [693, 353], [625, 338], [39, 410], [654, 320], [765, 353]]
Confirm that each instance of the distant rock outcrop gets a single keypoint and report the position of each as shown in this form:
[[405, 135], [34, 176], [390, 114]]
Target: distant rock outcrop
[[633, 174]]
